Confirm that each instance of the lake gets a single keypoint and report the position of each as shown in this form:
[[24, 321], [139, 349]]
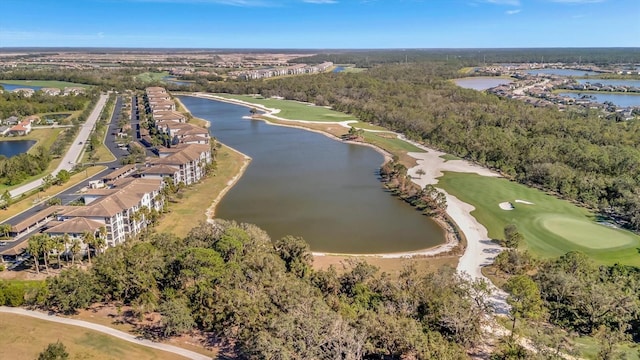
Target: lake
[[481, 83], [621, 100], [306, 184], [12, 148], [561, 72], [611, 82], [338, 69], [173, 80], [11, 87]]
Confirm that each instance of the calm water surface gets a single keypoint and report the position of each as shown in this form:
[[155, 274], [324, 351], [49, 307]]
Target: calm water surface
[[13, 148], [561, 72], [481, 83], [612, 82], [305, 184], [11, 87], [622, 100]]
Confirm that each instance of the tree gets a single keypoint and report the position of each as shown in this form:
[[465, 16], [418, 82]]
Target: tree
[[176, 317], [296, 254], [54, 351], [54, 201], [5, 229], [34, 247], [75, 248], [420, 172], [5, 199], [59, 245], [62, 177], [524, 299], [89, 238], [512, 237]]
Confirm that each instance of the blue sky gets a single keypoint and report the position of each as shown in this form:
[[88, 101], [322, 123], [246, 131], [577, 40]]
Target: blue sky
[[320, 23]]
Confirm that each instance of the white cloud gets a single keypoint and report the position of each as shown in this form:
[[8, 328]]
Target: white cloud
[[512, 12]]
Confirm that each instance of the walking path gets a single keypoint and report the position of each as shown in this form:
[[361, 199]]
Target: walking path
[[69, 159], [106, 330]]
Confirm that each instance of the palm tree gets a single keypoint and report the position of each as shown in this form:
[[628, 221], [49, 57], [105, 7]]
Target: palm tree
[[66, 240], [33, 249], [88, 238], [59, 246], [102, 233], [5, 229], [44, 246], [75, 249]]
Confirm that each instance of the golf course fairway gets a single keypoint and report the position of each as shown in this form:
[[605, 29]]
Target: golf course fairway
[[551, 226]]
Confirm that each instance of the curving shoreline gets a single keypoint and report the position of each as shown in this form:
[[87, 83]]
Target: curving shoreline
[[451, 240]]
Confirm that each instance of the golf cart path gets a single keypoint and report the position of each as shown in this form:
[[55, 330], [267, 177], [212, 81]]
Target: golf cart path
[[105, 330]]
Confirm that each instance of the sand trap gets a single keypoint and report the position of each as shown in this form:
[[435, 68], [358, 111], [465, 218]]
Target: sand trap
[[506, 205], [524, 202]]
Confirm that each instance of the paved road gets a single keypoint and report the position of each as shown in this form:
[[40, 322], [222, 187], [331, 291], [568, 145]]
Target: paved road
[[69, 159], [73, 193], [106, 330]]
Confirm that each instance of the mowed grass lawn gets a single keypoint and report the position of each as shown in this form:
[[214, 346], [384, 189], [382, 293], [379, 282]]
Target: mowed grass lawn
[[24, 337], [551, 227], [43, 83], [294, 110], [192, 207]]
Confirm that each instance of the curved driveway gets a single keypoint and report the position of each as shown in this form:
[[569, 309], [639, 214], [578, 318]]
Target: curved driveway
[[69, 159], [106, 330]]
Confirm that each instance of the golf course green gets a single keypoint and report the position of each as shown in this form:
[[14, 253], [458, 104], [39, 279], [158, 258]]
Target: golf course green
[[551, 226]]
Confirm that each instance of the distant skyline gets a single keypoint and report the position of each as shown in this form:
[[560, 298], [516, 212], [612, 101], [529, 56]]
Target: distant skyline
[[319, 24]]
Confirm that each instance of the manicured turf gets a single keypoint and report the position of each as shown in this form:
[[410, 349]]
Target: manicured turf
[[390, 143], [448, 157], [294, 110], [551, 226], [43, 83], [151, 76], [25, 337]]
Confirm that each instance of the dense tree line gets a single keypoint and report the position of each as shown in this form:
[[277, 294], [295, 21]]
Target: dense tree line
[[476, 57], [579, 156], [16, 104], [264, 298], [16, 169]]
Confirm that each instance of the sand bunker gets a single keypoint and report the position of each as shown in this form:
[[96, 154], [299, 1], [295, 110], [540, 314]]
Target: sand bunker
[[506, 205], [525, 202]]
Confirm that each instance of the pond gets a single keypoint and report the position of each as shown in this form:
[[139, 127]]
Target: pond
[[561, 72], [610, 82], [13, 148], [621, 100], [481, 83], [306, 184], [11, 87]]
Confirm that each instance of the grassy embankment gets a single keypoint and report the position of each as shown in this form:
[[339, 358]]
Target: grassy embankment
[[25, 337], [551, 226], [188, 211], [43, 83], [294, 110], [26, 202]]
